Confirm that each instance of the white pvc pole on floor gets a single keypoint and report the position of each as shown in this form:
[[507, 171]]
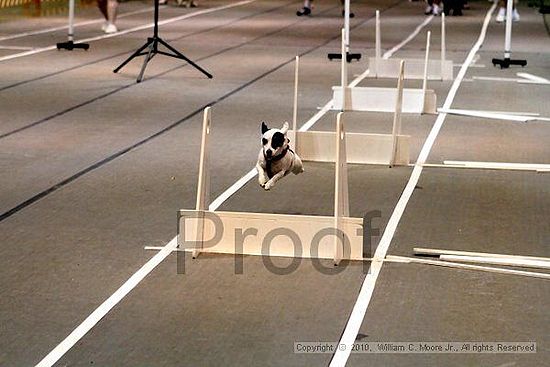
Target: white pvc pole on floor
[[70, 45], [378, 46], [295, 105], [508, 35], [346, 26], [71, 20], [443, 46], [344, 67]]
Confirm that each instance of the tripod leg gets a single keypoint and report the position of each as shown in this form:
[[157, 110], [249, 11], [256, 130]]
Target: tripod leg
[[149, 56], [181, 56], [135, 54]]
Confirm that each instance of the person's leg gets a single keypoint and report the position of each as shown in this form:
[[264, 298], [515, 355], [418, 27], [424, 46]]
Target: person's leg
[[429, 7], [112, 6], [457, 7], [102, 5], [436, 7], [351, 15], [306, 10], [515, 14], [447, 7], [501, 16]]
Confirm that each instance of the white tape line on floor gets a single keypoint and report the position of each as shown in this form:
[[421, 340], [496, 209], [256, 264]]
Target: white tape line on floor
[[360, 308]]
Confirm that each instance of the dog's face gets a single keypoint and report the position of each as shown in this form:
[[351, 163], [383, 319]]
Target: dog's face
[[274, 141]]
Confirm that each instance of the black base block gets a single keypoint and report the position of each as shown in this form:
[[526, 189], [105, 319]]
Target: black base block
[[349, 56], [505, 63], [70, 45]]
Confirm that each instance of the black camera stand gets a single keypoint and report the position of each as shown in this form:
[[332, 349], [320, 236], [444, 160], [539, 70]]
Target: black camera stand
[[152, 44]]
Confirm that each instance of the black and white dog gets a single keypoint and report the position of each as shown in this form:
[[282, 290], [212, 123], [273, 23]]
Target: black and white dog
[[276, 159]]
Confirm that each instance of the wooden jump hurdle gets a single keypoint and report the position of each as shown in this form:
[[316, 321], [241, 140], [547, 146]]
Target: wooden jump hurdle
[[334, 237], [376, 99], [362, 148], [441, 69]]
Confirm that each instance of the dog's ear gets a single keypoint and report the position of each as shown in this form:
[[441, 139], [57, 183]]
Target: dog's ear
[[285, 127], [264, 128]]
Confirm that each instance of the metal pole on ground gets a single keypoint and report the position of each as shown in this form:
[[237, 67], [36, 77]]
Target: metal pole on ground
[[507, 61], [348, 56], [70, 45]]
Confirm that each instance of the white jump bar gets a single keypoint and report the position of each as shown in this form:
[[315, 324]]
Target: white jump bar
[[434, 251], [449, 264], [486, 114], [499, 165], [524, 263]]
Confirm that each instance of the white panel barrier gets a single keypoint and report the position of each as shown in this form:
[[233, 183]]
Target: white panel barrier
[[441, 69], [362, 148], [319, 146], [201, 230], [376, 99]]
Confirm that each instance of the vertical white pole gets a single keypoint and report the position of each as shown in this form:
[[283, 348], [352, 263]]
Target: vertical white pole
[[71, 20], [508, 35], [341, 197], [425, 80], [344, 72], [203, 185], [396, 131], [378, 46], [346, 26], [204, 174], [294, 143], [443, 50]]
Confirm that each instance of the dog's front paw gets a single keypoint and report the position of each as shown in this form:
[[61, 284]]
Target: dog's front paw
[[262, 180], [268, 185]]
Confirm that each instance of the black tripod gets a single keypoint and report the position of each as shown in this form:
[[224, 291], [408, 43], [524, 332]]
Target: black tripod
[[152, 44]]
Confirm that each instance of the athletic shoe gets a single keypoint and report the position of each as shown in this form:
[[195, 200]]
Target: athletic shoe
[[429, 10], [436, 9], [104, 26], [304, 11], [351, 15], [163, 2], [111, 28], [515, 15], [501, 16]]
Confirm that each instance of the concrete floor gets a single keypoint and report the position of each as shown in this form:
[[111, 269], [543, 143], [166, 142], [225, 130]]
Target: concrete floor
[[94, 168]]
